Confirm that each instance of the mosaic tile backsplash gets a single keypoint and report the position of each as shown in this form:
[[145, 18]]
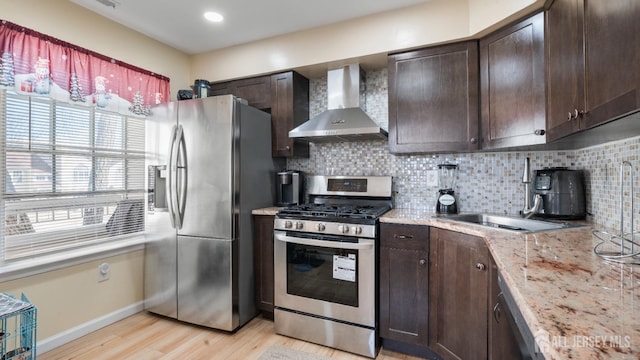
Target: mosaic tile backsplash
[[487, 182]]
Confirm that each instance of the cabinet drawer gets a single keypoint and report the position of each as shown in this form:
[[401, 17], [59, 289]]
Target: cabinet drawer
[[409, 237]]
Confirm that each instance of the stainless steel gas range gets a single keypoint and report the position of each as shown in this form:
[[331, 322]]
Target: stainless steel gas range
[[325, 257]]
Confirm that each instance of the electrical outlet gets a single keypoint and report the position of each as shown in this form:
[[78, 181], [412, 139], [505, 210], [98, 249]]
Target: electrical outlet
[[103, 272], [432, 178]]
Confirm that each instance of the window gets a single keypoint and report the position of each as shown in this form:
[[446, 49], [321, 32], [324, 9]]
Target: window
[[81, 174], [16, 176], [74, 175]]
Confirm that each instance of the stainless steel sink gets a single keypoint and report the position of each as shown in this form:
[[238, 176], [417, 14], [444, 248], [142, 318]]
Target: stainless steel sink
[[509, 222]]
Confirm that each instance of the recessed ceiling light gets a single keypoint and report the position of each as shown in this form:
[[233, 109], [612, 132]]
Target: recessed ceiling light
[[213, 16]]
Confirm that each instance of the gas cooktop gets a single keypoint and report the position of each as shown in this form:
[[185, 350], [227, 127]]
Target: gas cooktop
[[338, 211]]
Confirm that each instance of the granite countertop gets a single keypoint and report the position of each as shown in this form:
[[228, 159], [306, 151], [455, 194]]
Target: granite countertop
[[576, 305], [266, 211]]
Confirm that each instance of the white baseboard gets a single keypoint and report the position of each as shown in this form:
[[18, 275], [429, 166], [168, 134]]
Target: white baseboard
[[64, 337]]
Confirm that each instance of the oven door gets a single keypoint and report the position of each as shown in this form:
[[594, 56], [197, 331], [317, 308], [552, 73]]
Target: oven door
[[323, 276]]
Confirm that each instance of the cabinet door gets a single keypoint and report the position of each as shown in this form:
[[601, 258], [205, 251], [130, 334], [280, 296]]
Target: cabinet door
[[222, 88], [257, 91], [404, 301], [612, 33], [290, 108], [459, 288], [512, 91], [503, 344], [565, 68], [263, 261], [433, 99]]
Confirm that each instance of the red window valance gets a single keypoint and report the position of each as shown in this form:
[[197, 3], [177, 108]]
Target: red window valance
[[37, 64]]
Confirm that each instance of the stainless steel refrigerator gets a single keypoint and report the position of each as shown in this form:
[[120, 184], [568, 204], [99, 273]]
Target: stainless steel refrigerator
[[208, 165]]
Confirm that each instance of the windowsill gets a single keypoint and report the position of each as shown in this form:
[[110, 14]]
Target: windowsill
[[33, 266]]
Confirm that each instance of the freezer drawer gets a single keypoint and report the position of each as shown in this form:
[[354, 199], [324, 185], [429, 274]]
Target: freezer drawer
[[160, 284], [205, 283]]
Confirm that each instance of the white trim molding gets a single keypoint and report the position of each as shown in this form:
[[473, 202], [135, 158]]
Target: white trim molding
[[69, 335], [42, 264]]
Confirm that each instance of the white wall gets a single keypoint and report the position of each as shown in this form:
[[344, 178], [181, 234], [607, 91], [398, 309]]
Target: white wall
[[366, 40], [72, 296]]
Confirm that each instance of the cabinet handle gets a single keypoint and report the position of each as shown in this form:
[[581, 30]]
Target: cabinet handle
[[422, 261], [540, 132], [481, 267], [496, 312], [575, 114], [473, 140], [402, 237]]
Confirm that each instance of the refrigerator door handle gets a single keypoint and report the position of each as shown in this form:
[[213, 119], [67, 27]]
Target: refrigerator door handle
[[171, 178], [181, 177]]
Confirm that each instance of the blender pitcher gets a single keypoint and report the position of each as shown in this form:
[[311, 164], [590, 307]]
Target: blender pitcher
[[447, 177]]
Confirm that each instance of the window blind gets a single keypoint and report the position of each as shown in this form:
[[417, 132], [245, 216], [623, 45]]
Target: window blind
[[73, 175]]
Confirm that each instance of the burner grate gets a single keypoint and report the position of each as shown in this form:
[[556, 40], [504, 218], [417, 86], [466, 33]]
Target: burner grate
[[338, 211]]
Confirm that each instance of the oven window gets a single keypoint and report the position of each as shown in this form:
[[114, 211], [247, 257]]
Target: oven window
[[322, 273]]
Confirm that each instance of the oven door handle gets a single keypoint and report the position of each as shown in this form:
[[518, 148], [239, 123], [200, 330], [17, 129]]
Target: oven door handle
[[323, 243]]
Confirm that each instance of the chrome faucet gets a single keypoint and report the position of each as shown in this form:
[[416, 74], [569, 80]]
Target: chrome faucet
[[537, 201]]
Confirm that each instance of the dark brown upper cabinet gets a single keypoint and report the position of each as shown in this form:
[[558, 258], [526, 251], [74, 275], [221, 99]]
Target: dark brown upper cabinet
[[285, 96], [221, 88], [512, 85], [433, 99], [289, 108], [256, 90], [593, 56]]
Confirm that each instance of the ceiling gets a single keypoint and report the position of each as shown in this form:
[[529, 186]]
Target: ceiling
[[181, 24]]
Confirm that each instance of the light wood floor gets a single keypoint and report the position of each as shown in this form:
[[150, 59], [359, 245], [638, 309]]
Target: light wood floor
[[147, 336]]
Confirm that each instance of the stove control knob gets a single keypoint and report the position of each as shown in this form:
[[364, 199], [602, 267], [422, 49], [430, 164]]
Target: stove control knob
[[299, 225], [343, 228], [357, 230], [320, 227], [288, 224]]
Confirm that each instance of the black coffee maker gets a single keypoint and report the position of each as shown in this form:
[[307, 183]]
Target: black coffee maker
[[289, 188]]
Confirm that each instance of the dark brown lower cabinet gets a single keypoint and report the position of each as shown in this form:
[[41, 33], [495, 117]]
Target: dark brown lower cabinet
[[263, 262], [503, 344], [459, 266], [404, 288]]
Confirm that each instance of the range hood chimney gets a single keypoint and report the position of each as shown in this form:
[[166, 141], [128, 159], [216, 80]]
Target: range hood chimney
[[345, 119]]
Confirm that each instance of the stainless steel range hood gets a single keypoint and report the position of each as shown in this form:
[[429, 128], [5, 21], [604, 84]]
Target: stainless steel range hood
[[345, 119]]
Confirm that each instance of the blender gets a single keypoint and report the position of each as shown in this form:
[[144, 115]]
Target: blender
[[447, 176]]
